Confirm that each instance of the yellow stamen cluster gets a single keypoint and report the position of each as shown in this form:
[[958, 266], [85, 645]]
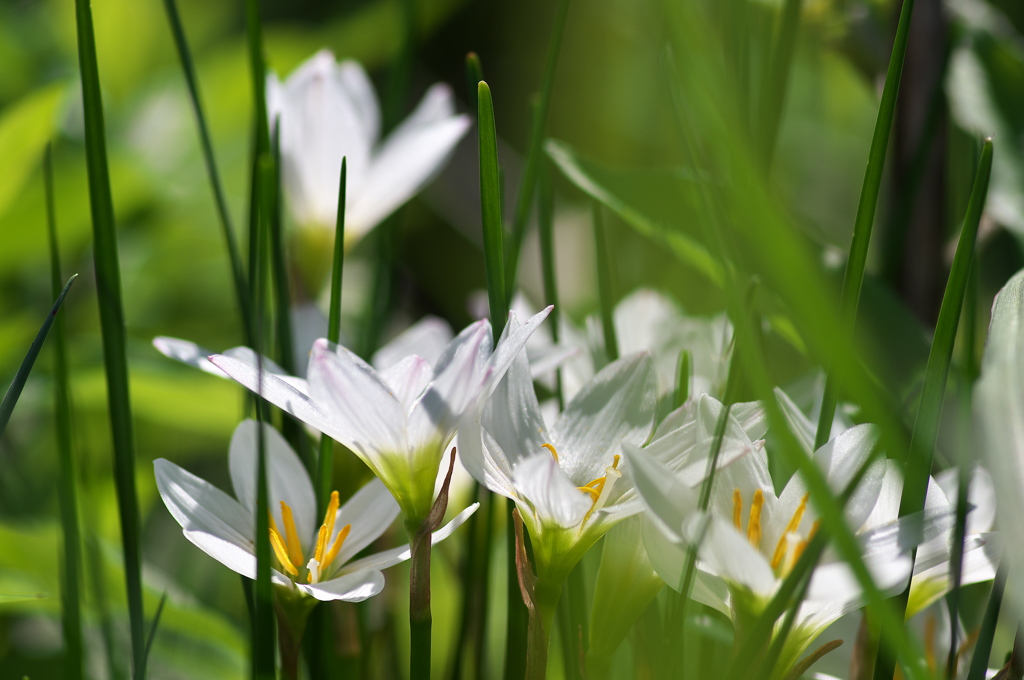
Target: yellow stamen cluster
[[289, 549], [598, 489], [783, 557]]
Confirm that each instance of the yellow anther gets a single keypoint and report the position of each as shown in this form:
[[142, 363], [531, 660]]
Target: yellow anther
[[291, 536], [551, 448], [282, 554], [754, 523], [332, 512], [615, 461], [336, 548], [592, 492], [737, 509], [794, 524], [321, 540]]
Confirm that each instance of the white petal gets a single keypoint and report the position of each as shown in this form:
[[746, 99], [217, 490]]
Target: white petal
[[355, 395], [187, 353], [409, 158], [352, 587], [407, 379], [484, 458], [209, 518], [427, 338], [328, 111], [616, 407], [670, 501], [729, 554], [513, 416], [799, 424], [513, 338], [370, 511], [287, 396], [287, 479], [458, 379], [554, 498], [389, 558]]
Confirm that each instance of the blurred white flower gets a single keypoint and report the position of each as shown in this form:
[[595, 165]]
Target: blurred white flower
[[327, 110], [311, 558], [400, 420]]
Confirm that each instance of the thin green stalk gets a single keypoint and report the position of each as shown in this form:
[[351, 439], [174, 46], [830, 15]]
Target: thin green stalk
[[155, 624], [187, 65], [853, 277], [683, 378], [983, 646], [115, 360], [262, 653], [605, 285], [71, 565], [533, 151], [258, 71], [325, 469], [401, 73], [929, 410], [18, 383], [490, 208], [775, 80]]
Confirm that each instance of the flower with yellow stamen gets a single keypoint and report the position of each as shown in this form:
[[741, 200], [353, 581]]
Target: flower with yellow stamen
[[309, 559]]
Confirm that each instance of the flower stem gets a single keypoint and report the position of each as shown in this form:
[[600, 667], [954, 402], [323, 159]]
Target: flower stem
[[419, 603]]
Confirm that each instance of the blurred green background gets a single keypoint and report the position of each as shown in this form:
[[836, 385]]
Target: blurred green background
[[610, 104]]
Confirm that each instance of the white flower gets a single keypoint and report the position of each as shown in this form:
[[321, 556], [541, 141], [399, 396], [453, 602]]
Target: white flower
[[565, 479], [399, 421], [328, 110], [310, 557], [752, 538]]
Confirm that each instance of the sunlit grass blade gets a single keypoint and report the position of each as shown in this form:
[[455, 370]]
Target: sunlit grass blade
[[262, 654], [188, 67], [775, 81], [605, 285], [983, 645], [67, 479], [112, 325], [683, 378], [258, 72], [155, 624], [853, 277], [325, 462], [929, 409], [527, 185], [490, 209], [18, 383], [401, 70]]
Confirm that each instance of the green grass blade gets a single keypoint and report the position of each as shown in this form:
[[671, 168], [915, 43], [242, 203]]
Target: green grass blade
[[775, 80], [188, 67], [401, 72], [71, 566], [18, 383], [258, 71], [490, 209], [853, 277], [983, 646], [546, 227], [683, 378], [524, 197], [155, 625], [929, 410], [605, 285], [108, 289], [325, 462], [263, 667]]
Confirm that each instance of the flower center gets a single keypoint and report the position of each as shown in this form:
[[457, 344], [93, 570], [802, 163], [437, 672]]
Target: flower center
[[598, 489], [790, 545], [289, 549]]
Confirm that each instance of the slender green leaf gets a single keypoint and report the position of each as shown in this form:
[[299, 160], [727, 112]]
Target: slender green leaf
[[71, 583], [490, 207], [775, 80], [983, 645], [474, 74], [325, 470], [112, 325], [857, 259], [187, 66], [18, 383], [546, 227], [649, 201], [524, 197]]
